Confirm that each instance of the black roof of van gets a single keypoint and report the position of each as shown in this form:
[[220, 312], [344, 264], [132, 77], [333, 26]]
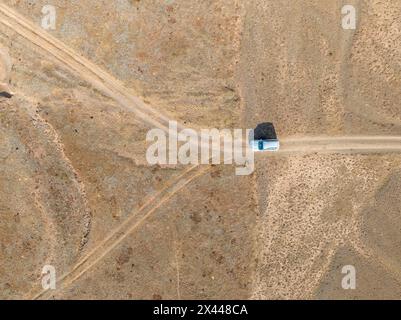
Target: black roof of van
[[265, 131]]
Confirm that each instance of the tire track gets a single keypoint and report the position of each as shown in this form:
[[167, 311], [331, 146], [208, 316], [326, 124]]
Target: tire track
[[113, 88], [86, 69], [90, 72], [340, 144], [123, 230], [117, 91]]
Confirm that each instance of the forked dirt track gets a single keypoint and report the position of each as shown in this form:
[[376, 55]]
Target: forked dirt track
[[89, 71], [366, 144], [128, 100], [115, 90]]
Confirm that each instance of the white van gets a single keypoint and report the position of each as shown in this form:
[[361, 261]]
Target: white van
[[264, 138], [265, 145]]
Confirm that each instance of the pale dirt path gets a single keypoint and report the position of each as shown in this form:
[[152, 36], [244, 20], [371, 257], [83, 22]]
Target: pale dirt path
[[290, 146], [298, 72], [113, 88], [364, 144], [86, 69], [122, 231]]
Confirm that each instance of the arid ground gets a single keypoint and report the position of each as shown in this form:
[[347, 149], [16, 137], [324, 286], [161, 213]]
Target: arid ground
[[77, 192]]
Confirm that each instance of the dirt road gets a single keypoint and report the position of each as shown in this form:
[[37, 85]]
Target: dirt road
[[86, 69], [333, 96], [345, 144]]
